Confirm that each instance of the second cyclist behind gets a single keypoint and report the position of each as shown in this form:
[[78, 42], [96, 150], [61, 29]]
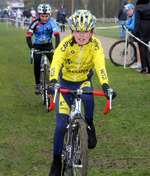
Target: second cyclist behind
[[42, 28]]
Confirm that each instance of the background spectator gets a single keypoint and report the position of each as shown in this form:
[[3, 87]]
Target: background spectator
[[2, 14], [61, 18], [130, 26], [142, 30], [13, 15], [122, 16], [19, 15], [33, 14], [26, 15]]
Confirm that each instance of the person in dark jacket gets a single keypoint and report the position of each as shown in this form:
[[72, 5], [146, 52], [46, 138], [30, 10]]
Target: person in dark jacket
[[142, 30], [61, 18], [26, 15], [122, 16]]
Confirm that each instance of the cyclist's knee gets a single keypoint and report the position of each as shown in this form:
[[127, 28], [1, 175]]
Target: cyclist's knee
[[62, 121]]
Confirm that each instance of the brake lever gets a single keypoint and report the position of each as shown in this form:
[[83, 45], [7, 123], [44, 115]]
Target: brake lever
[[31, 56], [56, 87], [110, 93]]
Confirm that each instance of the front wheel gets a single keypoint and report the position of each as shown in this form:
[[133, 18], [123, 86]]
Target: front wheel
[[78, 163], [117, 53], [44, 84], [47, 99]]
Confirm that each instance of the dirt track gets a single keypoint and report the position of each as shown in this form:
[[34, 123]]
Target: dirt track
[[105, 41]]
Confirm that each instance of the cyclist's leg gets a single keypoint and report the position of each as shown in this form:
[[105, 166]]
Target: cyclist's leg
[[50, 57], [62, 121], [88, 102], [62, 114], [49, 47], [37, 61], [63, 104]]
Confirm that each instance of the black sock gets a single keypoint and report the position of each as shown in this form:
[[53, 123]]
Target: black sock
[[89, 122], [57, 159]]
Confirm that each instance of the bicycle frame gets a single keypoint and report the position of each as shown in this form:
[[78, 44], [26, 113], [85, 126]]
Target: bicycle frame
[[75, 152], [44, 75]]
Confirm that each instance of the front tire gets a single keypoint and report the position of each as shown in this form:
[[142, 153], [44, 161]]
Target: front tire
[[47, 99], [79, 151], [42, 87], [44, 84]]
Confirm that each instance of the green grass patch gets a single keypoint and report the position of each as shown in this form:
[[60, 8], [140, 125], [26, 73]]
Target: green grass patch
[[26, 140]]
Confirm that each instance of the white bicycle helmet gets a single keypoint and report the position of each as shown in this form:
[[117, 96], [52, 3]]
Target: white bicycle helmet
[[82, 20], [129, 6], [44, 8]]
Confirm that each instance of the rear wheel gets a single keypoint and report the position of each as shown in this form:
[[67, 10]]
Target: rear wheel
[[117, 53], [78, 163]]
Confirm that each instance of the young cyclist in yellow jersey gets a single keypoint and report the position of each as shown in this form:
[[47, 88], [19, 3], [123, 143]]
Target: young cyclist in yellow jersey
[[73, 62]]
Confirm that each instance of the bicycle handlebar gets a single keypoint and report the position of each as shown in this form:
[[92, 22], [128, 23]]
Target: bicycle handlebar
[[39, 52], [80, 92]]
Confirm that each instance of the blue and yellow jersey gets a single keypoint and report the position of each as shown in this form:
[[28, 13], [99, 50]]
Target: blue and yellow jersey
[[74, 63]]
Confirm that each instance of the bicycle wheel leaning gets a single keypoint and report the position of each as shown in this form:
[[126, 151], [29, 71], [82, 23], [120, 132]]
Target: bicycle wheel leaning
[[76, 151], [117, 53]]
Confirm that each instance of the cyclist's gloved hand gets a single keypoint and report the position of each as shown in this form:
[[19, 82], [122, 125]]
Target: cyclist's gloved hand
[[105, 88], [50, 87]]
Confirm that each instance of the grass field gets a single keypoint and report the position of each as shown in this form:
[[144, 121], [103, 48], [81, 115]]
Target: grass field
[[26, 129]]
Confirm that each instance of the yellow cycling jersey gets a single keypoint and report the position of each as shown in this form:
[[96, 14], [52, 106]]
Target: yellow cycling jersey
[[75, 62]]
